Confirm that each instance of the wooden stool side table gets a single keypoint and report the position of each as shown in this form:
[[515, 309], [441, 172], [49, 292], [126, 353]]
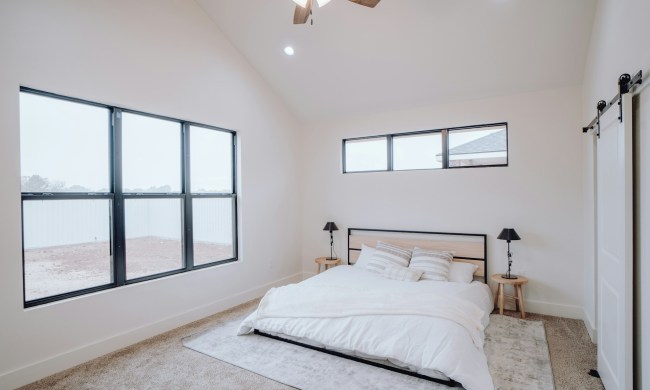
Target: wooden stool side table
[[500, 297], [327, 263]]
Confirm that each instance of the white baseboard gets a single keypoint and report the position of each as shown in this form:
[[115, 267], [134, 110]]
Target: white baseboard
[[41, 369], [591, 327], [307, 275], [554, 309]]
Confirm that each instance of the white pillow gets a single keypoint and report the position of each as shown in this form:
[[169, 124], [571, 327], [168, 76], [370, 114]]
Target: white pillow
[[364, 256], [435, 264], [386, 255], [462, 272], [402, 273]]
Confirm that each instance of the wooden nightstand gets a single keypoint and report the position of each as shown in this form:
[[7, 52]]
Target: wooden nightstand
[[327, 263], [499, 296]]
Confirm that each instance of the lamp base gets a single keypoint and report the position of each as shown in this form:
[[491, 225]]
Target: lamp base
[[331, 258], [506, 276]]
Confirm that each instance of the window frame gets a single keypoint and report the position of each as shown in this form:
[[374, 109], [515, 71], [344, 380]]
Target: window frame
[[117, 198], [389, 151], [445, 148]]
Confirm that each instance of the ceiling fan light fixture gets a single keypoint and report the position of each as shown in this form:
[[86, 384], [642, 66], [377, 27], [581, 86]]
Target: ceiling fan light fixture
[[303, 3], [304, 8]]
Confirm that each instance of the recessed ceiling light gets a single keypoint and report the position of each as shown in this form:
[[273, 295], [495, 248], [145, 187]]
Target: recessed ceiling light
[[289, 50]]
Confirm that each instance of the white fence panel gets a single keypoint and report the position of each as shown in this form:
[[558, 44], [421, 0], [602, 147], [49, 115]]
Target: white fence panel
[[68, 222], [213, 220], [64, 222]]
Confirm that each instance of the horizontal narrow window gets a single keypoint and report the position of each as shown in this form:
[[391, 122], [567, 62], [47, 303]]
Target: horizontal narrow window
[[458, 147], [108, 196], [421, 151], [481, 146], [365, 155]]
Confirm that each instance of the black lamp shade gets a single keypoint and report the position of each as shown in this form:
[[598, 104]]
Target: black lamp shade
[[509, 234], [330, 227]]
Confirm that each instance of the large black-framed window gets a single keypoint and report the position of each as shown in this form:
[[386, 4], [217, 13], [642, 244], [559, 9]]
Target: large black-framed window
[[450, 148], [113, 196]]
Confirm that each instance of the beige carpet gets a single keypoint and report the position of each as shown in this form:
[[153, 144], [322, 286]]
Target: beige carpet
[[163, 363]]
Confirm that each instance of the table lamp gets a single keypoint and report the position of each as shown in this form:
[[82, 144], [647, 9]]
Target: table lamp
[[509, 234], [331, 227]]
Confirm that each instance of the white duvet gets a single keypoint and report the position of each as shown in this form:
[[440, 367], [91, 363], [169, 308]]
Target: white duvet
[[425, 326]]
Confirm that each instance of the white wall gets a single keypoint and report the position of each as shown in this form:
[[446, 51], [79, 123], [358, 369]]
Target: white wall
[[619, 44], [539, 193], [164, 57]]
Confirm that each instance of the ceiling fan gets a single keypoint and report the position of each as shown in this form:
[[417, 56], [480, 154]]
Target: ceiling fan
[[304, 7]]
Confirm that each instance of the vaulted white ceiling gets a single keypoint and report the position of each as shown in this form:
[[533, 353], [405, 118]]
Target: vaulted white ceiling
[[407, 53]]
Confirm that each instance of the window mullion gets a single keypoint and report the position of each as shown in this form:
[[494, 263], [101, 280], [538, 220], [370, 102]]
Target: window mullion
[[234, 164], [445, 149], [188, 234], [235, 233], [344, 154], [119, 235], [389, 147]]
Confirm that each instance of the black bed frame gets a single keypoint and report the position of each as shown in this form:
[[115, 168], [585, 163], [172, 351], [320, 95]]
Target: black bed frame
[[450, 382]]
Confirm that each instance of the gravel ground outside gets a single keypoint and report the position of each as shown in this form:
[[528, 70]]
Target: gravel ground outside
[[56, 270]]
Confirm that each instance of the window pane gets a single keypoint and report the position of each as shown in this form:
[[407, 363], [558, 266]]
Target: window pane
[[213, 224], [485, 146], [66, 246], [211, 160], [366, 155], [422, 151], [151, 154], [64, 146], [153, 236]]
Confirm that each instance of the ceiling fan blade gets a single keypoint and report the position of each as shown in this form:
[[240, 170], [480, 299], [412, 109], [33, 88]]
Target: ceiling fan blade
[[301, 14], [367, 3]]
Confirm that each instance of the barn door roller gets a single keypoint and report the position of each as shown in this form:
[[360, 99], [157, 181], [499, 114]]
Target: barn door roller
[[625, 84]]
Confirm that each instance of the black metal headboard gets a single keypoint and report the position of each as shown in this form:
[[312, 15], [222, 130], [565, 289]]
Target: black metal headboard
[[473, 250]]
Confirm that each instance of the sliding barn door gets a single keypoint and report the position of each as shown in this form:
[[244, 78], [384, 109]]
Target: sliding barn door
[[615, 223]]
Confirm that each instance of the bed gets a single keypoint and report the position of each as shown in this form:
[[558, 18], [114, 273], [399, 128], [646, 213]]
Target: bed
[[429, 329]]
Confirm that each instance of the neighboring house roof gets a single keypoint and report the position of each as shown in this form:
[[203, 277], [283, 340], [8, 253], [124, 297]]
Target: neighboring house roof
[[495, 142]]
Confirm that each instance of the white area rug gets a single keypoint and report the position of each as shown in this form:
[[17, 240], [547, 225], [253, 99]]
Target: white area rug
[[517, 355]]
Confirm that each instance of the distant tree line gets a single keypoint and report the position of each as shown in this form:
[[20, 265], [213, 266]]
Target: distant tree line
[[37, 183]]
